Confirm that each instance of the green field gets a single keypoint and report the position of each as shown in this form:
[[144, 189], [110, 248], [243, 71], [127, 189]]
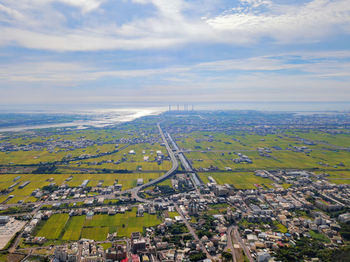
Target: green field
[[36, 181], [173, 214], [217, 149], [341, 140], [278, 159], [214, 209], [319, 236], [35, 157], [238, 180], [238, 140], [128, 180], [53, 226], [281, 228], [339, 177], [129, 220], [96, 233], [73, 228], [97, 227], [128, 161]]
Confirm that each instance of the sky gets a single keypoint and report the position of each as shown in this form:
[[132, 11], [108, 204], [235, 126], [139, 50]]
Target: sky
[[110, 51]]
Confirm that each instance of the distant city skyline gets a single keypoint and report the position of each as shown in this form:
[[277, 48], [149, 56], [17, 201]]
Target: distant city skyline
[[104, 51]]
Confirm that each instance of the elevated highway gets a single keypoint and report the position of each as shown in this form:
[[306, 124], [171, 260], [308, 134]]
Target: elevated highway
[[134, 191]]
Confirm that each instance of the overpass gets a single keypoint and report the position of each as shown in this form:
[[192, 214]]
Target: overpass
[[135, 191]]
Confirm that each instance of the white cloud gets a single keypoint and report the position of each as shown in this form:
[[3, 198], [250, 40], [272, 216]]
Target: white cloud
[[85, 5], [215, 76], [37, 24], [287, 23]]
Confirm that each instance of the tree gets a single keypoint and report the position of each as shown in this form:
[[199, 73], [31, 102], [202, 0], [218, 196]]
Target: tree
[[227, 256]]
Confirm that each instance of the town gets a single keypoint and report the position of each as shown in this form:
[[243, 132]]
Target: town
[[192, 186]]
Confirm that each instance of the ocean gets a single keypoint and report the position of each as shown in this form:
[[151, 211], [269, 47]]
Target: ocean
[[101, 115]]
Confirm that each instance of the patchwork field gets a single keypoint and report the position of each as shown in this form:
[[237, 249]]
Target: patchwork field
[[40, 180], [60, 226], [341, 140], [340, 177], [215, 149], [36, 157], [237, 141], [128, 161], [278, 159], [238, 180]]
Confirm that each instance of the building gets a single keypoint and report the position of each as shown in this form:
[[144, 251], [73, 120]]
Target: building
[[116, 253], [139, 182], [85, 182], [138, 243], [4, 220]]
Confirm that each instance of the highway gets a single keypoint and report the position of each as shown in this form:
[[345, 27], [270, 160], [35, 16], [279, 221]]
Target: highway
[[134, 191], [194, 178]]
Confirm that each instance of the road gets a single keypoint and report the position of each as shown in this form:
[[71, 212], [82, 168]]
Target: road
[[192, 231], [230, 245], [18, 238], [194, 178], [134, 191], [237, 238]]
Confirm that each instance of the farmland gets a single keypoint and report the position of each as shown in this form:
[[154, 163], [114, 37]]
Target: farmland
[[60, 226], [128, 180], [73, 228], [53, 227], [96, 233], [285, 151], [339, 177], [238, 180]]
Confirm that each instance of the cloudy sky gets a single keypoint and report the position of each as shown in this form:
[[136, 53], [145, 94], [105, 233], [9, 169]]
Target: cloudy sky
[[96, 51]]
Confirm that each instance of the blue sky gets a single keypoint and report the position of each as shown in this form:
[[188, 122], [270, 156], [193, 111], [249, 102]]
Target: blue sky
[[96, 51]]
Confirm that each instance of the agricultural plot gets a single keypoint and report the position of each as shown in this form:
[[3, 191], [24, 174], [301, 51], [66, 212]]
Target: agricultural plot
[[278, 159], [210, 149], [104, 135], [96, 233], [132, 166], [36, 181], [97, 227], [339, 177], [340, 140], [124, 160], [123, 224], [43, 156], [238, 180], [73, 228], [53, 227], [128, 181], [236, 141]]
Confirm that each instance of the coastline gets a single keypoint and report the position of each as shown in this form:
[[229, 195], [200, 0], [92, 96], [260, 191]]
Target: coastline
[[99, 118]]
